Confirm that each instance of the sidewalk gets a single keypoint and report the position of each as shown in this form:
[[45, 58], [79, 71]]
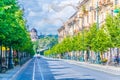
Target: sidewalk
[[104, 68], [12, 73], [9, 74]]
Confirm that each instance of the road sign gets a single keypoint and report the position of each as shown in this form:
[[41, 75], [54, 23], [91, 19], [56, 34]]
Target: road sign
[[116, 10]]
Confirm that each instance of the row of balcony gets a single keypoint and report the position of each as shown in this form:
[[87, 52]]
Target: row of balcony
[[86, 16]]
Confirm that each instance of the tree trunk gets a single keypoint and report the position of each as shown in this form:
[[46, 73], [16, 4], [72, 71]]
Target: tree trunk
[[0, 57], [117, 55], [10, 60], [110, 57], [6, 56]]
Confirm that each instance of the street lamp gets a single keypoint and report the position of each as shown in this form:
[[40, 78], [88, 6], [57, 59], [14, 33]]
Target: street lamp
[[81, 15], [117, 10], [97, 16]]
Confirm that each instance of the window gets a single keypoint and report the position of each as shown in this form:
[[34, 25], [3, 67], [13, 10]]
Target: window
[[87, 18], [112, 12], [94, 15], [116, 2]]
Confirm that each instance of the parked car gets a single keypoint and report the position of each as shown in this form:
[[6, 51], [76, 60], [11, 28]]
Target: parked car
[[38, 55]]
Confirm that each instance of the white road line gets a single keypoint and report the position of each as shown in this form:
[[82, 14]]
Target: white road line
[[42, 77], [33, 76]]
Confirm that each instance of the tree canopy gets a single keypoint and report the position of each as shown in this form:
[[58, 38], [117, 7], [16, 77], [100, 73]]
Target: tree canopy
[[97, 40], [13, 30]]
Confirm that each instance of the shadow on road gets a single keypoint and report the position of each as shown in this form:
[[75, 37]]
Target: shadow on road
[[57, 70], [47, 74]]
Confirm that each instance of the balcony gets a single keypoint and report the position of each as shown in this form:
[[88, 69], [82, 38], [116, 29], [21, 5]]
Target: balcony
[[105, 2], [86, 26], [76, 31]]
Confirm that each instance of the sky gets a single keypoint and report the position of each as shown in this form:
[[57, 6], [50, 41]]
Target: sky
[[47, 16]]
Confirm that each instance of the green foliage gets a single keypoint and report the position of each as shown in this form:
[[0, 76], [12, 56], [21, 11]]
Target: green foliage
[[78, 42], [113, 26], [96, 39], [90, 36], [48, 42], [12, 27], [101, 42], [67, 44]]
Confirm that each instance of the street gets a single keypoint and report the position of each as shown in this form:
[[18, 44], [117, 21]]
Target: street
[[53, 69]]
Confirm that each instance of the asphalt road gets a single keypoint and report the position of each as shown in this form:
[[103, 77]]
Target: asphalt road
[[51, 69]]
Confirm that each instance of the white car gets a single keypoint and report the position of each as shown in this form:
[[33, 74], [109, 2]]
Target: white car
[[38, 55]]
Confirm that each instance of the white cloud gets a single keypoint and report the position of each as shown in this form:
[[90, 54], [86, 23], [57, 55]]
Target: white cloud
[[45, 7], [39, 16], [31, 14]]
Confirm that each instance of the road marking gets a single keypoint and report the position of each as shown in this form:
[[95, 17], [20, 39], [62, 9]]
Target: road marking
[[42, 77], [33, 76]]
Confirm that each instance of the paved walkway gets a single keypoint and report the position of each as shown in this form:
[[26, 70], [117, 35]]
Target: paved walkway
[[11, 74]]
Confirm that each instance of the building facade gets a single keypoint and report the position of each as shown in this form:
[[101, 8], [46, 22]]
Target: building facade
[[89, 12], [33, 34]]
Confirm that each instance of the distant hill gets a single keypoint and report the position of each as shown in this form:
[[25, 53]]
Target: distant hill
[[47, 41], [50, 35]]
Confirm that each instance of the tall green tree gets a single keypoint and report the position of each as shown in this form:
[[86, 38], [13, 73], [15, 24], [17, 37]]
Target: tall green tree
[[113, 26]]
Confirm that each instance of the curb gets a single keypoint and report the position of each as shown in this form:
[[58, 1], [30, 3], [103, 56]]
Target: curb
[[106, 69], [23, 66]]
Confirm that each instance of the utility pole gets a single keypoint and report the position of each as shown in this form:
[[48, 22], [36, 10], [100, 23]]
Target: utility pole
[[0, 56], [97, 26], [97, 15], [83, 37]]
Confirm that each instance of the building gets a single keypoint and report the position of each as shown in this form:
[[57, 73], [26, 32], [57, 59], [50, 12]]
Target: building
[[33, 34], [86, 16], [89, 12]]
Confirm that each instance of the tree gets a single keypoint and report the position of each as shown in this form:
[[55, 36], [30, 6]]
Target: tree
[[13, 29], [78, 43], [67, 44], [113, 26], [101, 42]]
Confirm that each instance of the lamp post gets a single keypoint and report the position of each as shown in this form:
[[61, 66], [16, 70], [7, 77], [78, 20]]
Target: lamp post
[[117, 10], [82, 38], [97, 26], [80, 16]]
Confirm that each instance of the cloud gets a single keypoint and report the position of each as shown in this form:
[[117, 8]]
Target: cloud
[[31, 14], [44, 29], [40, 16]]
